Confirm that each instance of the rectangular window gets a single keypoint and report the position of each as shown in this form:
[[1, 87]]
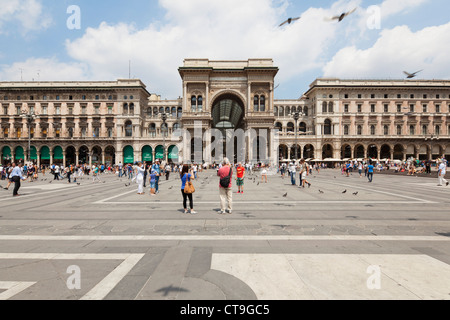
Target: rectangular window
[[44, 98], [18, 110], [44, 110], [5, 110], [96, 132], [110, 132], [58, 110], [57, 97], [44, 133], [411, 96], [399, 96], [359, 108], [57, 132], [425, 96], [359, 96], [31, 97], [110, 110], [386, 108], [372, 108], [70, 97], [19, 133], [83, 97], [411, 108], [346, 108], [346, 96], [97, 109], [438, 108], [399, 108], [70, 110], [5, 98], [83, 132], [372, 96], [425, 109], [83, 109], [438, 96], [97, 97], [386, 96]]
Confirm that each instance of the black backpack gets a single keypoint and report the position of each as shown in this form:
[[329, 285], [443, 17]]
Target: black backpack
[[225, 181]]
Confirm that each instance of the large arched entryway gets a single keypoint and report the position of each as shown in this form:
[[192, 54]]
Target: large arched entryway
[[227, 116], [327, 151], [71, 157]]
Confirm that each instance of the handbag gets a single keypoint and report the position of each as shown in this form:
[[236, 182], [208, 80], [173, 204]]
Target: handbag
[[225, 181], [189, 186]]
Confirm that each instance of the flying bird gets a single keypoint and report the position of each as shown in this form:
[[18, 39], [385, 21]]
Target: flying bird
[[345, 191], [341, 16], [289, 21], [411, 75]]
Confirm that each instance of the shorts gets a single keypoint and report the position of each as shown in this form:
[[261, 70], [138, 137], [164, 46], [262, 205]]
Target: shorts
[[153, 185], [240, 182], [304, 175]]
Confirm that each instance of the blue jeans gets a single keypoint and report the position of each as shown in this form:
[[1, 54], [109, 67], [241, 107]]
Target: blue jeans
[[157, 183], [370, 176], [293, 178]]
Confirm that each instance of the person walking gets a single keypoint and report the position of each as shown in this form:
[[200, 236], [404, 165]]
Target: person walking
[[304, 173], [95, 174], [240, 173], [140, 178], [442, 170], [168, 169], [292, 172], [16, 176], [370, 168], [157, 168], [68, 173], [225, 186], [185, 176]]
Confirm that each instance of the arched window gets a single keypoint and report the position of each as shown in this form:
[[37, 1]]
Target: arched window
[[200, 104], [161, 110], [437, 130], [125, 108], [300, 109], [149, 112], [305, 111], [372, 130], [262, 103], [155, 111], [152, 130], [281, 112], [331, 107], [290, 127], [386, 130], [275, 111], [346, 130], [324, 107], [424, 129], [288, 110], [179, 112], [302, 127], [399, 130], [327, 127], [256, 103], [168, 111], [131, 108], [174, 112], [176, 126], [359, 130], [193, 104], [279, 126], [128, 129], [411, 130], [164, 130]]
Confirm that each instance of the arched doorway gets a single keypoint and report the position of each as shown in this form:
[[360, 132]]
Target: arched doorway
[[398, 152], [128, 155], [71, 157], [58, 155], [283, 152], [110, 155], [147, 154], [19, 154], [45, 155], [385, 152], [227, 116], [327, 151], [96, 154], [83, 155], [173, 154], [360, 152], [372, 152], [33, 154], [308, 151], [6, 155], [296, 152], [346, 152], [159, 153]]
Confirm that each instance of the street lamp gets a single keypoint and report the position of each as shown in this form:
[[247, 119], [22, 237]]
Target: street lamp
[[164, 128], [30, 116]]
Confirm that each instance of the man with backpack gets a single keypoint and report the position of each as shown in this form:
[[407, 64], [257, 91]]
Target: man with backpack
[[225, 186]]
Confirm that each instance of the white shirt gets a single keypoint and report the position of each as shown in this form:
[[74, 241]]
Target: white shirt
[[442, 168]]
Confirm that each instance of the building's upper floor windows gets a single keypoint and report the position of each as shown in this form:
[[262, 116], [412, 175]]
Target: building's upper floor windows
[[97, 97], [425, 96], [83, 97], [386, 108], [359, 96], [399, 130], [411, 108], [70, 97], [346, 96], [346, 131], [57, 97], [346, 108], [196, 104], [359, 108], [372, 108], [386, 96], [386, 130], [411, 96], [5, 98], [359, 130], [399, 96], [372, 96], [424, 108], [438, 108], [438, 96], [399, 108], [259, 103]]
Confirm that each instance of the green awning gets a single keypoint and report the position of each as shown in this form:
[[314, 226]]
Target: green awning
[[147, 153], [128, 154], [6, 151], [58, 153], [33, 153], [173, 152], [159, 152], [19, 154], [45, 153]]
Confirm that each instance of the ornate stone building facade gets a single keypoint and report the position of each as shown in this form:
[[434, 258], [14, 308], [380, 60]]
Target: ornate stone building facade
[[121, 121]]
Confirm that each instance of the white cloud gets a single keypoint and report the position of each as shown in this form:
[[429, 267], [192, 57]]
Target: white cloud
[[28, 13], [396, 50], [225, 29], [42, 69]]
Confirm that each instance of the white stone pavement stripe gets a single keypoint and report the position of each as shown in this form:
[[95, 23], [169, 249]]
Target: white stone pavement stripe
[[101, 290], [12, 288], [197, 238], [104, 287]]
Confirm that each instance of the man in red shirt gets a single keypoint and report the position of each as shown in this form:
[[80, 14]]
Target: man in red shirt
[[226, 194], [240, 172]]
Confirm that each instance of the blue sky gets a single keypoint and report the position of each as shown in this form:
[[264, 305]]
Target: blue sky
[[157, 35]]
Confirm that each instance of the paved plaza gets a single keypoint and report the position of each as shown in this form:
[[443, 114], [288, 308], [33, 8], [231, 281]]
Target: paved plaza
[[389, 239]]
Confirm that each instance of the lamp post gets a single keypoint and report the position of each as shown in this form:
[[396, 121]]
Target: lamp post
[[30, 116], [164, 128]]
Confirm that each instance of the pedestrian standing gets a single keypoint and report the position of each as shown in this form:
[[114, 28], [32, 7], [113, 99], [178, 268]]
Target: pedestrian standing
[[370, 168], [264, 174], [240, 173], [304, 172], [152, 182], [140, 178], [225, 186], [16, 176], [185, 176], [157, 168], [168, 169], [292, 172]]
